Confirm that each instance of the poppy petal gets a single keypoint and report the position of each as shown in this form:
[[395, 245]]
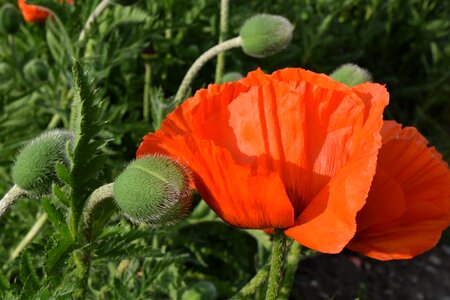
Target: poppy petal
[[424, 179], [331, 214], [243, 196]]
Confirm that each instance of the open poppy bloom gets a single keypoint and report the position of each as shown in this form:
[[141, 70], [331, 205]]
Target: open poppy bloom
[[35, 13], [409, 202], [293, 150]]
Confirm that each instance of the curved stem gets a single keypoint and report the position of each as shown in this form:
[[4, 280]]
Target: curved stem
[[29, 236], [198, 64], [10, 197], [224, 8], [12, 45], [253, 285], [97, 11], [293, 258], [97, 197], [276, 264]]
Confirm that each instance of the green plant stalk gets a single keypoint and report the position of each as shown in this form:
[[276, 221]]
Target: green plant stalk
[[147, 86], [200, 62], [83, 257], [224, 8], [97, 11], [293, 258], [254, 284], [10, 197], [276, 264]]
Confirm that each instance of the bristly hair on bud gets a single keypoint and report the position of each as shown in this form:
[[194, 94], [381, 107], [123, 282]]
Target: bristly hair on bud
[[351, 74], [154, 190], [35, 166], [263, 35], [10, 19]]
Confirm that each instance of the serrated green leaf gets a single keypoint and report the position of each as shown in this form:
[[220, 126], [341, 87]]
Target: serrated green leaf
[[56, 217], [28, 275], [63, 173], [57, 256], [60, 195]]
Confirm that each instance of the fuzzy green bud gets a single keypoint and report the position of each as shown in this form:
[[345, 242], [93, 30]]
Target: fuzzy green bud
[[155, 190], [10, 19], [231, 77], [263, 35], [351, 74], [35, 166], [126, 2], [202, 290], [36, 70]]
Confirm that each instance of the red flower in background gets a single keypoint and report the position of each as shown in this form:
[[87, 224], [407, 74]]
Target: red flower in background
[[294, 150], [409, 202], [35, 13]]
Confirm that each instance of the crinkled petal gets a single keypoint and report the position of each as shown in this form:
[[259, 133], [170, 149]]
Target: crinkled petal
[[424, 179], [328, 222], [243, 196]]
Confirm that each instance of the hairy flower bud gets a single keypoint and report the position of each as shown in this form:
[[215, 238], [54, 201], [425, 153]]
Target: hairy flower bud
[[36, 70], [155, 190], [263, 35], [35, 166], [9, 19], [231, 77], [351, 74]]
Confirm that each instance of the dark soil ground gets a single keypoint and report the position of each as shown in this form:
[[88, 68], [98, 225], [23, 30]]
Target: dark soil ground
[[350, 276]]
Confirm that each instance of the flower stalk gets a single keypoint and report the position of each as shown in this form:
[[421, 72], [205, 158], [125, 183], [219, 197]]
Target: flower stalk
[[293, 258], [254, 284], [223, 30], [12, 196], [97, 11], [200, 62], [277, 262], [147, 86]]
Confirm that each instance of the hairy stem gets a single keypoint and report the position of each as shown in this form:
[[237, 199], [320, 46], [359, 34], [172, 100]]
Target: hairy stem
[[12, 45], [97, 11], [293, 258], [224, 8], [147, 86], [253, 285], [276, 264], [29, 236], [10, 197], [97, 197], [200, 62]]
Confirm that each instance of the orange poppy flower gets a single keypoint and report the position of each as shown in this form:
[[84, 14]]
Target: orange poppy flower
[[409, 202], [294, 150], [35, 13]]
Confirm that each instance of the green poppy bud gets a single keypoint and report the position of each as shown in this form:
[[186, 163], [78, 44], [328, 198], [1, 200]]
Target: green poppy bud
[[10, 19], [36, 70], [126, 2], [155, 190], [231, 77], [263, 35], [202, 290], [6, 73], [35, 166], [351, 75]]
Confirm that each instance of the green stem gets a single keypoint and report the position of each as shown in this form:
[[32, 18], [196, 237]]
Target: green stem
[[253, 285], [198, 64], [97, 11], [10, 197], [224, 8], [147, 86], [83, 263], [276, 264], [293, 258]]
